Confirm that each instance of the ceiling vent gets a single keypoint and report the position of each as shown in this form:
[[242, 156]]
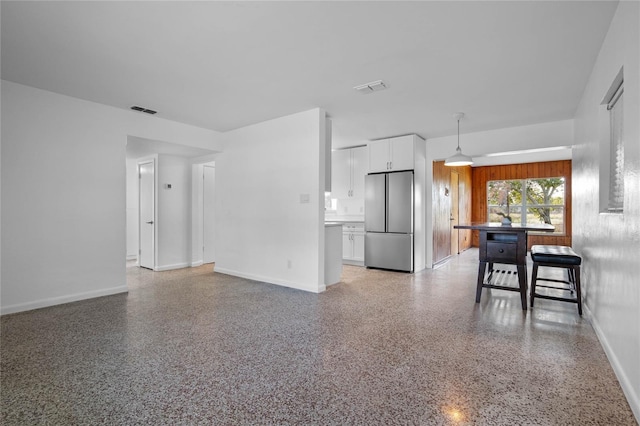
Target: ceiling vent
[[374, 86], [141, 109]]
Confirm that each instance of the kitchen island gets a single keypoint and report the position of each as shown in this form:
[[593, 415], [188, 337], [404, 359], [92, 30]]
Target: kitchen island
[[332, 252], [352, 238]]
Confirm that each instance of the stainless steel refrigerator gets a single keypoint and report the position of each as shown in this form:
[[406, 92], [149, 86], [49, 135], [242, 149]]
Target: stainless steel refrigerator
[[388, 221]]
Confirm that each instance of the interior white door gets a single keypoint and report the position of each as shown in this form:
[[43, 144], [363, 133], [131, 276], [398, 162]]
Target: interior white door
[[146, 175], [208, 221]]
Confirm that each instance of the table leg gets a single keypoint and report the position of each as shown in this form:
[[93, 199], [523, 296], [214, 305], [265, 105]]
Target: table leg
[[481, 270], [522, 280]]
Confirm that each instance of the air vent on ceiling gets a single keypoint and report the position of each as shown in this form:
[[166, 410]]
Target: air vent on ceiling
[[141, 109], [374, 86]]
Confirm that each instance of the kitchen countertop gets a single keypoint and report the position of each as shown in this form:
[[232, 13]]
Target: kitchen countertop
[[343, 219]]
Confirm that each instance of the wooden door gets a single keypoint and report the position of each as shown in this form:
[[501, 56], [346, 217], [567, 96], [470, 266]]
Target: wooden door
[[455, 213]]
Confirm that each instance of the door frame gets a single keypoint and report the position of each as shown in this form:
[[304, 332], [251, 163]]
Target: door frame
[[154, 235]]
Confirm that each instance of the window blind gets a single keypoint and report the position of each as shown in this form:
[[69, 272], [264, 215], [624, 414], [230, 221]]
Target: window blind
[[616, 178]]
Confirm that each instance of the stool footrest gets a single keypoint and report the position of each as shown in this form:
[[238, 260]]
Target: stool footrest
[[561, 299], [501, 287], [553, 281], [569, 288]]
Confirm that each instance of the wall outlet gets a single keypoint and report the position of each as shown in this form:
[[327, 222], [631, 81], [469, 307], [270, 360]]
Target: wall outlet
[[304, 198]]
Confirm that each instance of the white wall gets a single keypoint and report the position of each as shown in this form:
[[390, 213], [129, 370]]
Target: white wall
[[263, 231], [609, 244], [63, 194], [543, 135]]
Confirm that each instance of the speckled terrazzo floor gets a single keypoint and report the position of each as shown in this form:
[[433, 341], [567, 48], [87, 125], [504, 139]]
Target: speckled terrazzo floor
[[380, 348]]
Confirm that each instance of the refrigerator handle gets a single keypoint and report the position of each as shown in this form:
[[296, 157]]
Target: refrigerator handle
[[386, 202]]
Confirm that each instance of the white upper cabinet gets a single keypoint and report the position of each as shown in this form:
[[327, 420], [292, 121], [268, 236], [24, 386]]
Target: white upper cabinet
[[402, 152], [340, 173], [327, 163], [349, 166], [379, 153], [359, 169], [392, 154]]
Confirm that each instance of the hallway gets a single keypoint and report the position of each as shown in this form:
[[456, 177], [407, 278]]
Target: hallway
[[195, 347]]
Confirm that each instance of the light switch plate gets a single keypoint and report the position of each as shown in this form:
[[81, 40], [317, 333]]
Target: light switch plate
[[304, 198]]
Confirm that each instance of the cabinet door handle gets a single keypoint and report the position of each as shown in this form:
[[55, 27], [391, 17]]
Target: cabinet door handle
[[390, 165], [501, 250]]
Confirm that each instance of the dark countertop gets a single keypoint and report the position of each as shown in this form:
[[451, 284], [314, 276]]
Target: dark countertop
[[514, 227]]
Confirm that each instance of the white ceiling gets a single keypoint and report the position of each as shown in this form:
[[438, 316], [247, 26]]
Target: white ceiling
[[224, 65]]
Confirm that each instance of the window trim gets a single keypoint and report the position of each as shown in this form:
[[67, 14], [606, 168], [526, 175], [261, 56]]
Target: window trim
[[611, 173]]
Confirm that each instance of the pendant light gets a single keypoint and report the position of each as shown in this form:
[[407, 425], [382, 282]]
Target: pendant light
[[459, 159]]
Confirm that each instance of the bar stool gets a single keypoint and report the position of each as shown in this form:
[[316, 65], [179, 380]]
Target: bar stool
[[557, 257]]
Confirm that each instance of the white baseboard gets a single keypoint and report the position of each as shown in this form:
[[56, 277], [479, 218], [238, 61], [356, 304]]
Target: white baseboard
[[197, 263], [171, 267], [625, 383], [270, 280], [52, 301]]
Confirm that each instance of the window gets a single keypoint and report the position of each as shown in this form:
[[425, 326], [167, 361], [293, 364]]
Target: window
[[611, 135], [616, 155], [528, 201]]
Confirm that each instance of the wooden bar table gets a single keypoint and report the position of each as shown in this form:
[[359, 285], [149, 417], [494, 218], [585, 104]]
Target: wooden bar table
[[503, 244]]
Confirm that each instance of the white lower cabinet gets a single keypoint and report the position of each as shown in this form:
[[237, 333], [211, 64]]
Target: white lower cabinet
[[353, 243]]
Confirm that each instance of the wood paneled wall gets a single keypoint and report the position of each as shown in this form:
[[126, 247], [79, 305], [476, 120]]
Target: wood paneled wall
[[480, 176], [442, 208]]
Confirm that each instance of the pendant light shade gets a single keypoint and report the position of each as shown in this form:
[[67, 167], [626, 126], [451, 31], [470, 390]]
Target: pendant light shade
[[458, 159]]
